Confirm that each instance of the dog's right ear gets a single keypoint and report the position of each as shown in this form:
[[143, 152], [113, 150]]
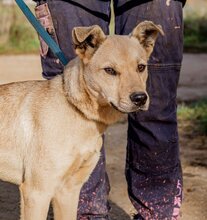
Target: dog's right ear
[[87, 40]]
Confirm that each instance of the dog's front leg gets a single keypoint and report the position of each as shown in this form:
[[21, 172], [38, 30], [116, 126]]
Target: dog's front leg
[[21, 204], [65, 202], [34, 203]]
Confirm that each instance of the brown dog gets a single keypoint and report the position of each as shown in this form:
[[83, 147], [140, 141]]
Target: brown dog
[[51, 131]]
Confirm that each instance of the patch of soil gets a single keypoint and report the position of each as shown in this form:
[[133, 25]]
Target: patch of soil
[[193, 148]]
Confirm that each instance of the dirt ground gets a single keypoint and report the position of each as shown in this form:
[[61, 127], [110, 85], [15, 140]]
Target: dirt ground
[[192, 86]]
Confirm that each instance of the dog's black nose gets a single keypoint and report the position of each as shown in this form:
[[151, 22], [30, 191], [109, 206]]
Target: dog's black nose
[[138, 98]]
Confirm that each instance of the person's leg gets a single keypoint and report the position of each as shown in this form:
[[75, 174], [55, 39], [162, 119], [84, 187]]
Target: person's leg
[[67, 14], [153, 169]]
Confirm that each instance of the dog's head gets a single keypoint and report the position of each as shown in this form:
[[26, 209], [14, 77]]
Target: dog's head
[[115, 67]]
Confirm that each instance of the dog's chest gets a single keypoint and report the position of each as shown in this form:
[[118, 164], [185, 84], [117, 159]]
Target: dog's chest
[[85, 149], [84, 159]]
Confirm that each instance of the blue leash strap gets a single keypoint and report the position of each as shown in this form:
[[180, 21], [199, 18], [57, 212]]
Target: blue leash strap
[[42, 32]]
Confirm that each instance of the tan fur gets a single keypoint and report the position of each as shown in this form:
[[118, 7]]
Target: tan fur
[[51, 131]]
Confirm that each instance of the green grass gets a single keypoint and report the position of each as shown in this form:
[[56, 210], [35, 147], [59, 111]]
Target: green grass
[[16, 34], [196, 113], [195, 33], [22, 39]]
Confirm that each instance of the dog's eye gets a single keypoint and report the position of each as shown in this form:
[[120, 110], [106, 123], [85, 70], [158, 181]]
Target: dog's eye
[[141, 68], [110, 71]]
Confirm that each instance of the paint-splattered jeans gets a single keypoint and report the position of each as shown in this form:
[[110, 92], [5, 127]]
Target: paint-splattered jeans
[[153, 169]]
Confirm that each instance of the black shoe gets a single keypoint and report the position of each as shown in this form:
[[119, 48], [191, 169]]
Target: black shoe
[[138, 217]]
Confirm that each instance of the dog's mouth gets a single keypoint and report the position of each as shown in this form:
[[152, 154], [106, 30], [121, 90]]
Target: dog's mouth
[[115, 107], [141, 108]]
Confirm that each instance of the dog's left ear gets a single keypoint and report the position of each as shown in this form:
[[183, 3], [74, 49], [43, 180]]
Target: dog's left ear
[[87, 40], [147, 32]]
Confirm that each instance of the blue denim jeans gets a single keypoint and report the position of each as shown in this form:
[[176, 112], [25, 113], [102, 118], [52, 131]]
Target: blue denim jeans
[[153, 170]]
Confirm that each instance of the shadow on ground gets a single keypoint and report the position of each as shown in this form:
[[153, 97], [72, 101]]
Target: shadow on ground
[[10, 205], [117, 213]]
